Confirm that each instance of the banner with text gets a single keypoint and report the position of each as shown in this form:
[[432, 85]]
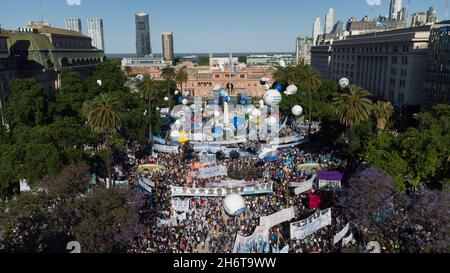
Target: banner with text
[[165, 149], [212, 172], [258, 242], [181, 205], [261, 188], [341, 234], [302, 229], [277, 218]]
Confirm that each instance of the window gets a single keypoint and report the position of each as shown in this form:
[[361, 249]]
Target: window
[[404, 60]]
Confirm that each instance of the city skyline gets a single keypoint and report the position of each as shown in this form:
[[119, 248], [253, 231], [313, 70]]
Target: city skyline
[[187, 16]]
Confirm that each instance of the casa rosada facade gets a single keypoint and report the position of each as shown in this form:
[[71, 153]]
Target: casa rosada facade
[[202, 79]]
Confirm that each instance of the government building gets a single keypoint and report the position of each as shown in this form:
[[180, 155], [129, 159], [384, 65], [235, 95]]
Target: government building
[[406, 66], [41, 52]]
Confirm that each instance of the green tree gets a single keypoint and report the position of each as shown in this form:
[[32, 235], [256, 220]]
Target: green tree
[[148, 91], [104, 116], [168, 74], [353, 108], [71, 96], [311, 81], [181, 77], [112, 77], [27, 105], [382, 111]]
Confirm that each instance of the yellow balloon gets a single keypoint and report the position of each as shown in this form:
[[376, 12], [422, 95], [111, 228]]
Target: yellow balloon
[[183, 137]]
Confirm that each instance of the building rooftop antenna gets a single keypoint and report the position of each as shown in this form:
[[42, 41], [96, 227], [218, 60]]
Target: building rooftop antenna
[[42, 10]]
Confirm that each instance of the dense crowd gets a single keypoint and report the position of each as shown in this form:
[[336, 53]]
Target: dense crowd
[[205, 227]]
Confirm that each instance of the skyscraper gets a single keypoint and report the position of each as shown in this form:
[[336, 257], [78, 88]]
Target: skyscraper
[[167, 46], [316, 30], [303, 50], [431, 15], [396, 6], [338, 28], [329, 21], [143, 44], [418, 19], [73, 24], [95, 31]]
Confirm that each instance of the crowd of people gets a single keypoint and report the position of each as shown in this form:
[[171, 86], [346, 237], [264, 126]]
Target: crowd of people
[[205, 227]]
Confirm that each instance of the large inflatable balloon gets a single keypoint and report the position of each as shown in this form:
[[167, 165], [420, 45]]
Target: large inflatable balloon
[[279, 87], [272, 97], [175, 135], [239, 124], [344, 83], [291, 90], [263, 81], [183, 137], [234, 205], [297, 110]]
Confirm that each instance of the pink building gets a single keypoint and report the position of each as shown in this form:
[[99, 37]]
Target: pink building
[[202, 79]]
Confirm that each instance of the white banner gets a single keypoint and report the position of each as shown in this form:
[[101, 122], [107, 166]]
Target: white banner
[[209, 159], [162, 223], [261, 188], [285, 249], [341, 234], [212, 172], [165, 149], [277, 218], [258, 242], [302, 229], [207, 148], [181, 205], [304, 184], [285, 140], [347, 240]]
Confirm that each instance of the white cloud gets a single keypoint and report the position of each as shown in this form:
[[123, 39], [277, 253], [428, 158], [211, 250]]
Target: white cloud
[[74, 2]]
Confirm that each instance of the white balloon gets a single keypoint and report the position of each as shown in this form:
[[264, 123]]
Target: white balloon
[[282, 63], [177, 92], [175, 135], [297, 110], [256, 113], [344, 83], [185, 102], [157, 108], [166, 99], [234, 204], [217, 88], [272, 97], [291, 90]]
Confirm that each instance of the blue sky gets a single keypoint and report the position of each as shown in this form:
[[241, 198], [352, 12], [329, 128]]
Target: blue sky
[[201, 26]]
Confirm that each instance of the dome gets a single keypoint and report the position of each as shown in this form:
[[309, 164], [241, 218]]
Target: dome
[[234, 204]]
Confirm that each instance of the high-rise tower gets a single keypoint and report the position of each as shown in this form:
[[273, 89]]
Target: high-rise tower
[[143, 44], [95, 31]]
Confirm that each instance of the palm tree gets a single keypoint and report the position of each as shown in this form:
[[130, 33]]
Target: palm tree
[[382, 111], [147, 89], [168, 74], [354, 107], [104, 116], [310, 81], [181, 77]]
